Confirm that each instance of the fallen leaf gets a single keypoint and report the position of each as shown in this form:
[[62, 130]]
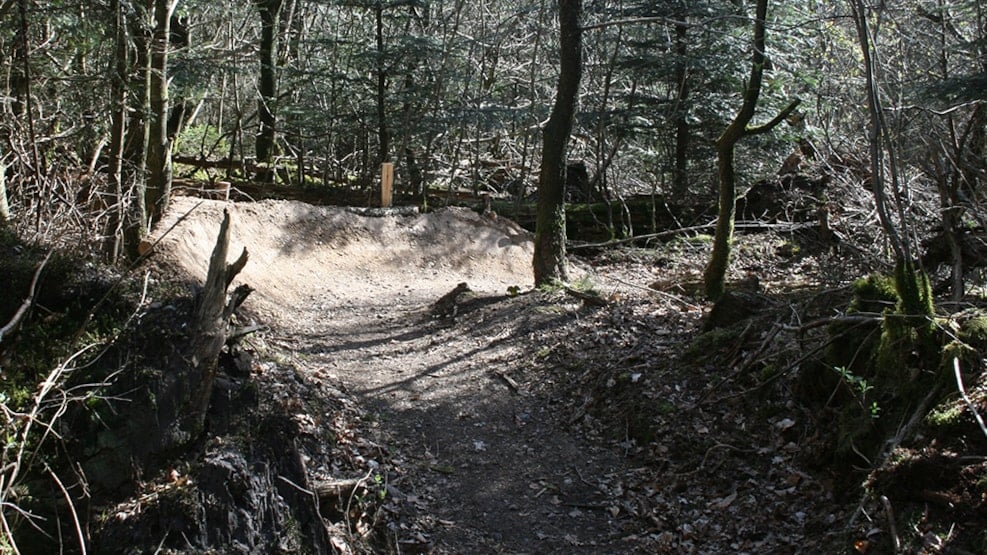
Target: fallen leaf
[[785, 424], [725, 502]]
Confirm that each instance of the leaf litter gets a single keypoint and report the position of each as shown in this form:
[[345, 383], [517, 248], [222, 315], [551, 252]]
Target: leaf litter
[[542, 423]]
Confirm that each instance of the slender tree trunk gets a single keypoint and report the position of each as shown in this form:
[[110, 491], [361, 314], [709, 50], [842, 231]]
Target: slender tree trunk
[[716, 270], [4, 207], [118, 132], [159, 143], [17, 78], [911, 283], [180, 111], [550, 255], [680, 179], [236, 140], [270, 13], [605, 155], [950, 177], [139, 137], [383, 135], [875, 133], [24, 87]]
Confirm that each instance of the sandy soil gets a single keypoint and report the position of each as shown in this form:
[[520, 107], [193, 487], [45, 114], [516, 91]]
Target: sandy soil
[[303, 256], [479, 466]]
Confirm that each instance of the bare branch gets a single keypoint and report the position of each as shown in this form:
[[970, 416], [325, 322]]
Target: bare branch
[[22, 311], [782, 116], [75, 515], [966, 398]]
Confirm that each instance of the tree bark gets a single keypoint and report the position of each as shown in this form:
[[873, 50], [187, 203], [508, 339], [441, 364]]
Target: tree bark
[[680, 179], [270, 14], [24, 87], [383, 134], [715, 273], [118, 132], [138, 132], [159, 143], [550, 256]]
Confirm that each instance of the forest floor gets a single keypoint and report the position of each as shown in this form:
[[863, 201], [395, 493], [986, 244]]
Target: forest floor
[[513, 420]]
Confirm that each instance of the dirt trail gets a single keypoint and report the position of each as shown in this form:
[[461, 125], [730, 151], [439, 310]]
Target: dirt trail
[[479, 465]]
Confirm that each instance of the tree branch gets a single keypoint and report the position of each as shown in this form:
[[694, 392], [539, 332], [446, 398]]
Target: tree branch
[[782, 116], [966, 398], [22, 311]]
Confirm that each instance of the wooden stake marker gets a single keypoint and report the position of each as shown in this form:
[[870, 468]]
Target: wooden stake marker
[[386, 184]]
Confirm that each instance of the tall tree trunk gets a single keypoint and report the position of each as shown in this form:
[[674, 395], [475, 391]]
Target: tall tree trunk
[[181, 110], [139, 134], [270, 14], [716, 270], [949, 177], [24, 87], [16, 80], [550, 256], [118, 131], [159, 143], [875, 134], [383, 135], [680, 178]]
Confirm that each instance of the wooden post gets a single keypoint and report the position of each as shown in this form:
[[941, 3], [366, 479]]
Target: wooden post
[[222, 190], [386, 183]]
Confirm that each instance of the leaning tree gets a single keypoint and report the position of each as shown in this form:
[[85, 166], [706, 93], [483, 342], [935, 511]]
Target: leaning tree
[[715, 275]]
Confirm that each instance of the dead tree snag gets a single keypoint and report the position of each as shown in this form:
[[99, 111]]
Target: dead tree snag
[[210, 326]]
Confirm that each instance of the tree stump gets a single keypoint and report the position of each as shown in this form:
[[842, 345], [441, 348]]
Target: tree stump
[[211, 324]]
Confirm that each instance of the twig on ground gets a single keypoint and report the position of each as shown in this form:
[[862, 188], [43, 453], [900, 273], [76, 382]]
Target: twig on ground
[[718, 445], [855, 318], [779, 374], [892, 528], [513, 385], [667, 295], [590, 298], [349, 502]]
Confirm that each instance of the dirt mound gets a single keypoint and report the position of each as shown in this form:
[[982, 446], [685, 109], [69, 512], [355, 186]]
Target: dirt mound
[[300, 254]]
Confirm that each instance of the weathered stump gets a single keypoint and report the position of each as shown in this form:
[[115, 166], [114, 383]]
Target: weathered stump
[[211, 325]]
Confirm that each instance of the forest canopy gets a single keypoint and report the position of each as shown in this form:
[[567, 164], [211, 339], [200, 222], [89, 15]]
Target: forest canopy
[[100, 96]]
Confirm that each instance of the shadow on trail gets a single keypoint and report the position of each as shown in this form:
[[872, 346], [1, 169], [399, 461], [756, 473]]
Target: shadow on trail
[[486, 462]]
